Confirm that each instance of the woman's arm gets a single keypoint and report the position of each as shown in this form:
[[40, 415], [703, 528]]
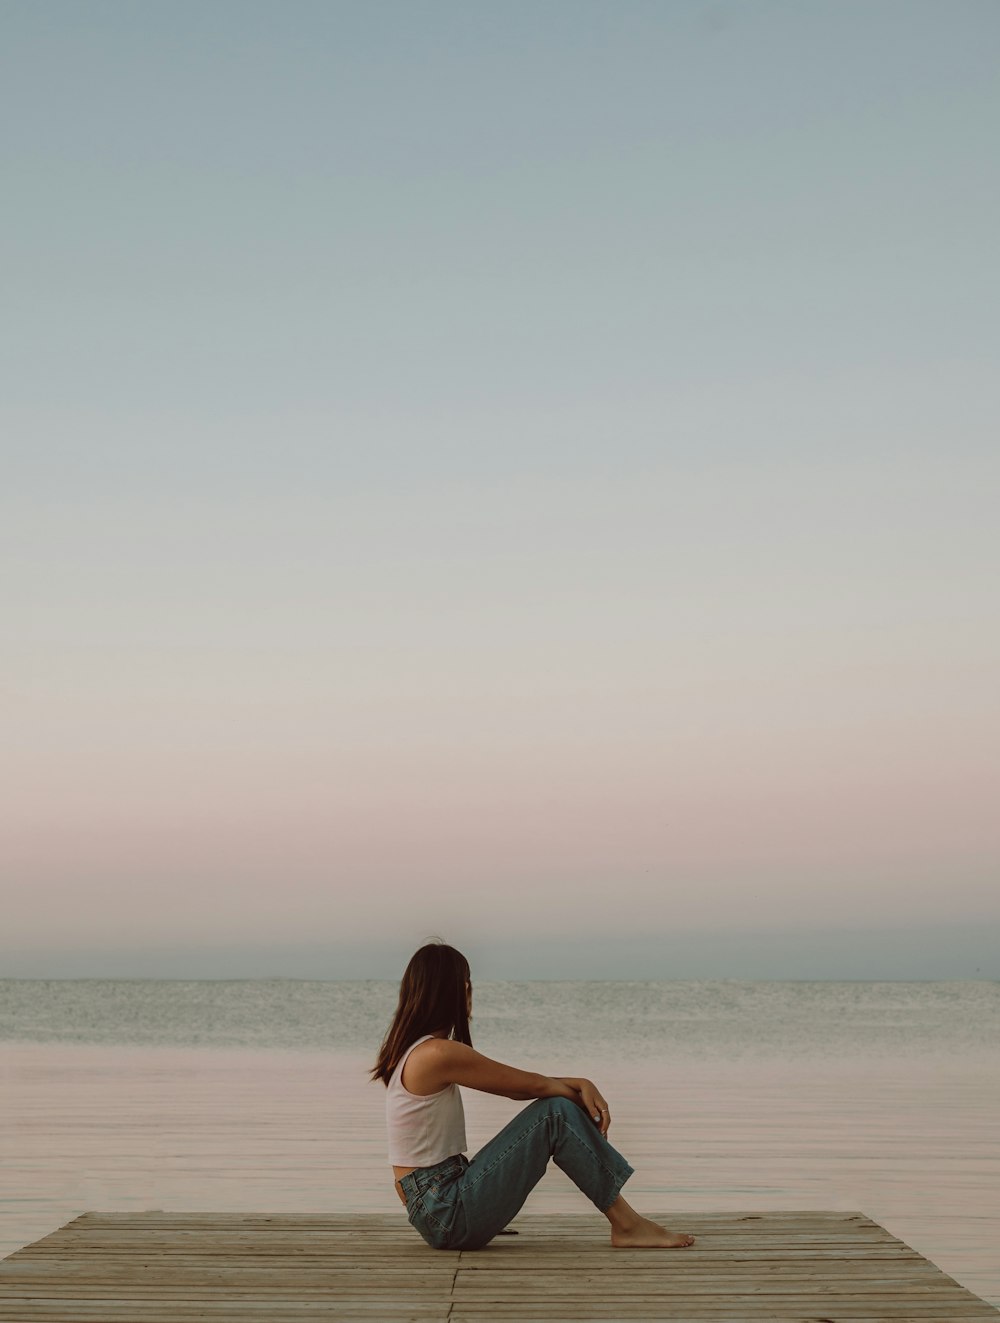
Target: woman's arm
[[445, 1062]]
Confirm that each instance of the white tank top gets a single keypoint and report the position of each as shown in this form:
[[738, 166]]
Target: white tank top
[[423, 1130]]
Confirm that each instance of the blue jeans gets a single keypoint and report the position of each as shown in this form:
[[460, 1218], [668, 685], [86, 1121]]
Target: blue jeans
[[458, 1204]]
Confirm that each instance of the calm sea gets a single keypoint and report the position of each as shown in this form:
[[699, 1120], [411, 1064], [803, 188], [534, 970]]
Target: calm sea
[[883, 1097]]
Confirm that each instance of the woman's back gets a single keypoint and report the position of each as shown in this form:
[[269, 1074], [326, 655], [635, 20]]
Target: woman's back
[[424, 1129]]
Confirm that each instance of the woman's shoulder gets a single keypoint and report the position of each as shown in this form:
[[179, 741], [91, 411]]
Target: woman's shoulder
[[429, 1064], [437, 1051]]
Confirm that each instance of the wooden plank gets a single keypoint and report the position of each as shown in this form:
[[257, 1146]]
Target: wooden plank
[[784, 1267]]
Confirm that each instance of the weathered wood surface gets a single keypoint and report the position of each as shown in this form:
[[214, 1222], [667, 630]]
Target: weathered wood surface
[[808, 1267]]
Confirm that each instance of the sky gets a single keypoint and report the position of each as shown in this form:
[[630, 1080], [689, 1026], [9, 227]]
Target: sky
[[521, 472]]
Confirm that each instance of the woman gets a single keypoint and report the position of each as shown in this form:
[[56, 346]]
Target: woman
[[457, 1204]]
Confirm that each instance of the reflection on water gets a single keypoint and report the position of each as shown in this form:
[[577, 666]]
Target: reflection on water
[[910, 1137]]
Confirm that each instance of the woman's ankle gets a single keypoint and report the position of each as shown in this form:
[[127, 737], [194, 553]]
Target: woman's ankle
[[622, 1215]]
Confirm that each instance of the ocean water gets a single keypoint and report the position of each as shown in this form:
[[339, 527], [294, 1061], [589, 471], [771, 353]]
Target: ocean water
[[883, 1097]]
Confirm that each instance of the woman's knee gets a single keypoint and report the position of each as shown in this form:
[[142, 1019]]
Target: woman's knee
[[564, 1108], [572, 1117]]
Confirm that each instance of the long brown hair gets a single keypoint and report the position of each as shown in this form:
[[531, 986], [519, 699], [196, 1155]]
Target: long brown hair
[[433, 995]]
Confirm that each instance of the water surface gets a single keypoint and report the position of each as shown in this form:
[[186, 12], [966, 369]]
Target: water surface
[[727, 1096]]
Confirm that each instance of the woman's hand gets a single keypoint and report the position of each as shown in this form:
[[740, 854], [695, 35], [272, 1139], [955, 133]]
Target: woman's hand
[[592, 1101]]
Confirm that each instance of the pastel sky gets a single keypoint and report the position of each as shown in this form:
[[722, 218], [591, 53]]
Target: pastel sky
[[524, 471]]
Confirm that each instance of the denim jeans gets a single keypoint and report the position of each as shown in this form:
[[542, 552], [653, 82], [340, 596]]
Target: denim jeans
[[458, 1204]]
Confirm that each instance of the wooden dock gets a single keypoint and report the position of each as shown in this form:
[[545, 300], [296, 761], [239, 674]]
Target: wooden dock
[[795, 1267]]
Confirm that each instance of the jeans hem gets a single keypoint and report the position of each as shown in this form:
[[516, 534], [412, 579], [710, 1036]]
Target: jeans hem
[[609, 1173], [618, 1188]]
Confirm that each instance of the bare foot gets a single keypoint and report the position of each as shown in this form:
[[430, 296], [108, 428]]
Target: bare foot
[[650, 1235]]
